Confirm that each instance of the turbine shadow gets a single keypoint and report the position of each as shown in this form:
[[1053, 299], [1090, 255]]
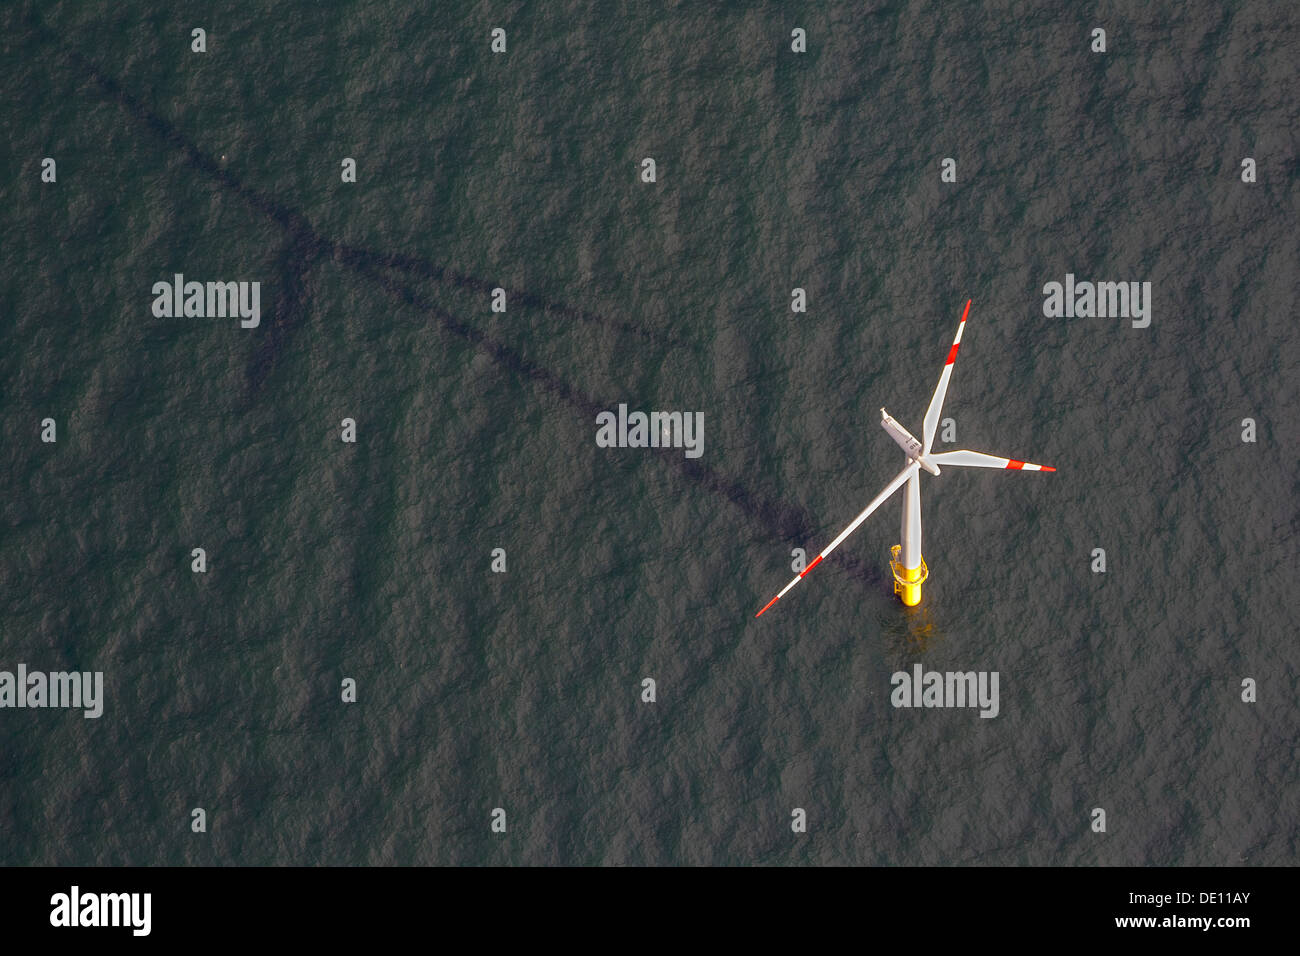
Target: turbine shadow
[[306, 248]]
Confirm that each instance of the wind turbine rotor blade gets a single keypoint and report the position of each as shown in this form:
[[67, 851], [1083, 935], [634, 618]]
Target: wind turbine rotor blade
[[976, 459], [936, 401], [899, 480]]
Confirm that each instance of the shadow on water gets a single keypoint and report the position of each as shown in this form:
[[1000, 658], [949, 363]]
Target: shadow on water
[[295, 264], [425, 269], [311, 245], [306, 248]]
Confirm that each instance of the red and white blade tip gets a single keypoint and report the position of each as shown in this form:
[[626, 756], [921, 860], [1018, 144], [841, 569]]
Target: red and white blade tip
[[952, 352]]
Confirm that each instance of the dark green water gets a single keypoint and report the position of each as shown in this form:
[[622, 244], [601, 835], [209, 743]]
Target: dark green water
[[476, 431]]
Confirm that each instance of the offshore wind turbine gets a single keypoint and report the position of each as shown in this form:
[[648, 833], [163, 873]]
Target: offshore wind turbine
[[907, 564]]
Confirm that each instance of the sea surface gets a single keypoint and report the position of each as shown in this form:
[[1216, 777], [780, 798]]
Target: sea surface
[[476, 430]]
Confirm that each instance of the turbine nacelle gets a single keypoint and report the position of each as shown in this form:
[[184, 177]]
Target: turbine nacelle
[[911, 446]]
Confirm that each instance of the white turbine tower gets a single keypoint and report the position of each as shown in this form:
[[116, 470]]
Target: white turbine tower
[[907, 564]]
